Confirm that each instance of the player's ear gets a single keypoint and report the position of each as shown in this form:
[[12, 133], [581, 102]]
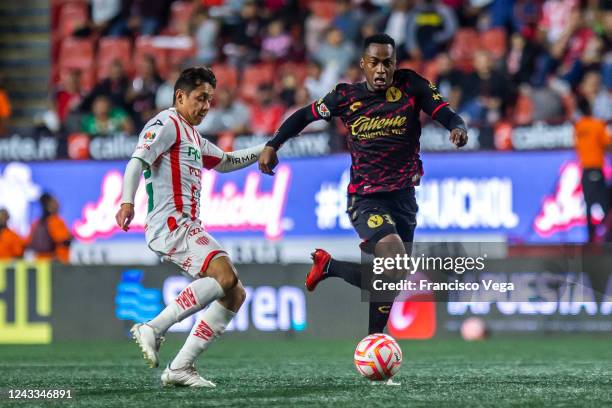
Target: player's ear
[[361, 63]]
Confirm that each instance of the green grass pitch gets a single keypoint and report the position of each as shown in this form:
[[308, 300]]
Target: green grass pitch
[[570, 371]]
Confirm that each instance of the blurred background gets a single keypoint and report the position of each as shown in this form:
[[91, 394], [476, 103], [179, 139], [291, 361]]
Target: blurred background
[[78, 79]]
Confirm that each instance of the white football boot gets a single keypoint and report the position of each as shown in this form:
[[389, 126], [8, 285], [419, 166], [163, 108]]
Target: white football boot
[[144, 335], [184, 377]]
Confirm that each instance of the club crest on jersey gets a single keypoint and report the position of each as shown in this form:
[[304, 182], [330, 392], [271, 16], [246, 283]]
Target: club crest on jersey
[[393, 94], [375, 221], [322, 109], [150, 135]]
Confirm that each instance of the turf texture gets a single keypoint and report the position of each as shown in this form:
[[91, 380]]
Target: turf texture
[[568, 371]]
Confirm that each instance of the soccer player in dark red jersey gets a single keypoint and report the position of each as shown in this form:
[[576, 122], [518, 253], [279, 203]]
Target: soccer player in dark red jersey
[[382, 117]]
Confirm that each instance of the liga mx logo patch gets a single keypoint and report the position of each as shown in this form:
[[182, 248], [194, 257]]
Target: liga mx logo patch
[[322, 109], [150, 135]]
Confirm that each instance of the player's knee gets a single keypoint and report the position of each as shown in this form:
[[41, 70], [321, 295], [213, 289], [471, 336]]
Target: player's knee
[[222, 270], [239, 294]]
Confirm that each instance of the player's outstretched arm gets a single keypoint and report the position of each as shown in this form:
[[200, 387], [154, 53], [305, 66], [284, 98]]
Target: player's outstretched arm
[[236, 160], [131, 179], [291, 127]]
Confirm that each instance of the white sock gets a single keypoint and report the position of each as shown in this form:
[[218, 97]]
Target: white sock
[[193, 298], [212, 325]]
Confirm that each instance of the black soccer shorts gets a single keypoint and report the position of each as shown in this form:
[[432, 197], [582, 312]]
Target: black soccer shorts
[[377, 215]]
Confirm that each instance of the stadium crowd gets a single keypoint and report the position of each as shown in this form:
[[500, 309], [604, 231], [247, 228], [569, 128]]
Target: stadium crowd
[[497, 61]]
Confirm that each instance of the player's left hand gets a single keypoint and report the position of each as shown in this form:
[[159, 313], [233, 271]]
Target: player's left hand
[[458, 137], [268, 160]]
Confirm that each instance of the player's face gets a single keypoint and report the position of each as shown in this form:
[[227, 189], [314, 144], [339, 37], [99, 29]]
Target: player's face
[[378, 64], [194, 106]]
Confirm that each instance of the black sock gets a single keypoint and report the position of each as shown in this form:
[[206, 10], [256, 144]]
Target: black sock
[[349, 271], [379, 315]]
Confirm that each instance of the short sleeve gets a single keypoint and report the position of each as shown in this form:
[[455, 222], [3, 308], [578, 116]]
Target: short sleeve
[[428, 97], [155, 139], [211, 154], [327, 106]]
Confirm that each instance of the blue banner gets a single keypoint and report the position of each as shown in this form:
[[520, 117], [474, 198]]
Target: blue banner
[[523, 197]]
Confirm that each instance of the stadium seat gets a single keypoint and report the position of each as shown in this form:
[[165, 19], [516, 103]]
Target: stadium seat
[[144, 46], [253, 76], [464, 45], [523, 110], [323, 8], [226, 75], [299, 70], [180, 14], [110, 49], [494, 41], [76, 53], [177, 56], [71, 16], [430, 70], [412, 64]]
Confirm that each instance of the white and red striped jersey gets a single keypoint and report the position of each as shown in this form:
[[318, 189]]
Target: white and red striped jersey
[[175, 153]]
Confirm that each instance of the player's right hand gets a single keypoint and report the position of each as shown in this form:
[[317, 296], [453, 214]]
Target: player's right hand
[[125, 215], [268, 160]]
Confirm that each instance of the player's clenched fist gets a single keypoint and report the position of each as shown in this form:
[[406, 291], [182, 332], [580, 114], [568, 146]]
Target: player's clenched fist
[[125, 215], [268, 160], [458, 137]]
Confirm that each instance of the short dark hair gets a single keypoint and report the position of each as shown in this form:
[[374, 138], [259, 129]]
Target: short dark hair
[[191, 78], [379, 38]]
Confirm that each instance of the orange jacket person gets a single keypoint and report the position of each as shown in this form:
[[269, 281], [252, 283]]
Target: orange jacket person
[[49, 236], [11, 244]]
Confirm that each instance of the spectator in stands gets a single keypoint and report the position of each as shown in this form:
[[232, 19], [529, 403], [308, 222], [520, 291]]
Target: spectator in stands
[[555, 18], [11, 244], [68, 97], [146, 17], [353, 74], [395, 25], [228, 114], [49, 237], [266, 113], [206, 37], [317, 82], [165, 93], [144, 87], [430, 27], [302, 98], [244, 34], [115, 87], [449, 80], [105, 119], [288, 86], [547, 105], [5, 109], [348, 19], [520, 59], [592, 140], [606, 36], [276, 44], [598, 97], [484, 91], [567, 51], [106, 18], [335, 54]]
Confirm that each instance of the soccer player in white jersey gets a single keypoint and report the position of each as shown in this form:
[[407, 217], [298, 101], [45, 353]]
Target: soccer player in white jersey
[[172, 155]]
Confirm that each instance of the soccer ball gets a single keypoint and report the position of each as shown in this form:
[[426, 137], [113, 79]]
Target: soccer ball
[[378, 357]]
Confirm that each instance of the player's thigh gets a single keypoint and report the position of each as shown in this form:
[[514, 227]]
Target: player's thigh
[[193, 250], [371, 218]]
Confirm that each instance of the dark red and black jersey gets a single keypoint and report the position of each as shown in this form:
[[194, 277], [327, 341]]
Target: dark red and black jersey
[[384, 129]]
